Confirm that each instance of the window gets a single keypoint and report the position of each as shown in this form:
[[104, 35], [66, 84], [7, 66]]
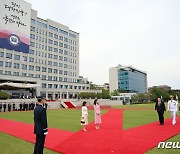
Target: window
[[60, 51], [50, 63], [50, 78], [7, 72], [65, 59], [31, 52], [65, 39], [53, 28], [65, 79], [41, 24], [32, 36], [60, 71], [63, 32], [44, 69], [16, 65], [44, 85], [66, 52], [50, 34], [55, 86], [65, 66], [31, 67], [49, 70], [49, 86], [1, 63], [24, 67], [60, 44], [31, 59], [55, 71], [55, 78], [65, 72], [72, 35], [9, 55], [24, 58], [16, 73], [56, 50], [56, 43], [55, 36], [1, 54], [32, 29], [31, 75], [60, 64], [60, 79], [43, 77], [32, 44], [60, 37], [55, 64], [49, 55], [8, 64], [61, 58], [50, 41], [55, 56], [24, 74], [50, 48], [65, 46], [38, 76]]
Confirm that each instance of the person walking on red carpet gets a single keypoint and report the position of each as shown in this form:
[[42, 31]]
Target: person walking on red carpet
[[160, 108], [97, 114], [40, 125], [84, 116], [173, 108]]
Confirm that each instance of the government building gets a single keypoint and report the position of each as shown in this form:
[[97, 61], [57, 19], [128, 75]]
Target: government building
[[38, 52], [127, 78]]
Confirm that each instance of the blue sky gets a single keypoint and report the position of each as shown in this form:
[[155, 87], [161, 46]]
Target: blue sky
[[141, 33]]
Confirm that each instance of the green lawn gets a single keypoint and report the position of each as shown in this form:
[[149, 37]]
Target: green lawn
[[69, 119], [12, 145]]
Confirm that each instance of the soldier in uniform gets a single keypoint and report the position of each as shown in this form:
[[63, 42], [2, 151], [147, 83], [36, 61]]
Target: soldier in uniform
[[0, 107], [4, 106], [173, 108], [9, 107], [40, 125]]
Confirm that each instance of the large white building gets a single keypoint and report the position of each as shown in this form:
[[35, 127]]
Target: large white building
[[38, 51]]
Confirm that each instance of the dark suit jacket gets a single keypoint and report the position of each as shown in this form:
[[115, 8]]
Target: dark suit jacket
[[40, 120], [161, 107]]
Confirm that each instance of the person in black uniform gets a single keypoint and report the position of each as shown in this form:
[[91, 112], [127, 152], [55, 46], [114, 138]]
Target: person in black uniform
[[4, 106], [160, 108], [9, 107], [40, 125], [20, 106], [0, 107]]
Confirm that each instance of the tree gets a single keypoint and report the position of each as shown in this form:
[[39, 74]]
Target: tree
[[115, 93], [4, 95]]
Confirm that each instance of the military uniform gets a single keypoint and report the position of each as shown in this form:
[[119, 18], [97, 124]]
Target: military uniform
[[173, 108]]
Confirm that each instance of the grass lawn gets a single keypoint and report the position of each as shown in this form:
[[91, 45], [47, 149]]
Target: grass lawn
[[12, 145], [69, 119]]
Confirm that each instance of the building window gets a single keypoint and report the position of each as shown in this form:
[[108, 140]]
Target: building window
[[31, 67], [66, 52], [49, 70], [31, 52], [49, 86], [55, 78], [60, 51], [43, 77], [31, 59], [60, 71], [50, 78], [50, 63], [44, 69], [55, 64], [65, 46], [56, 43], [55, 71], [23, 74], [49, 55], [60, 44], [1, 54], [9, 55], [55, 56], [16, 73], [44, 85], [60, 37], [56, 50], [8, 64], [61, 86], [31, 75], [1, 63], [55, 86], [50, 34], [60, 79], [61, 65], [50, 41], [65, 72], [16, 65], [53, 28], [61, 58], [24, 67], [7, 72], [55, 36]]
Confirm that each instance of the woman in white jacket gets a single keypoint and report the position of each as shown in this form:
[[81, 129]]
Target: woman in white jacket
[[84, 116], [173, 108]]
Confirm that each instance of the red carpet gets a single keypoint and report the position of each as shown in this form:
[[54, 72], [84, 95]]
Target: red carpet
[[70, 105], [25, 132], [109, 139]]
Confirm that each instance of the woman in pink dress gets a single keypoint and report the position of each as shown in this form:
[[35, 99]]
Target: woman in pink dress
[[97, 113]]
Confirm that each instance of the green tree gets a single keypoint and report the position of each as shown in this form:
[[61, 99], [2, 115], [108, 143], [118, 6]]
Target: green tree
[[4, 95]]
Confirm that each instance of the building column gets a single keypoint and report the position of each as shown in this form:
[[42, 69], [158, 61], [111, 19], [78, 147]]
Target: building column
[[53, 96], [46, 95]]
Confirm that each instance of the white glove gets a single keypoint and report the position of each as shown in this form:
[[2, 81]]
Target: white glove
[[45, 133]]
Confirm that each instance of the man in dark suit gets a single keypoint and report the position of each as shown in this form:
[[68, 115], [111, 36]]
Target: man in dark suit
[[160, 108], [40, 125], [4, 106], [0, 107]]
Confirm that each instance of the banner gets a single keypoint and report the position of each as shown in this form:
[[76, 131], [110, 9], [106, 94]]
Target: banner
[[15, 17]]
